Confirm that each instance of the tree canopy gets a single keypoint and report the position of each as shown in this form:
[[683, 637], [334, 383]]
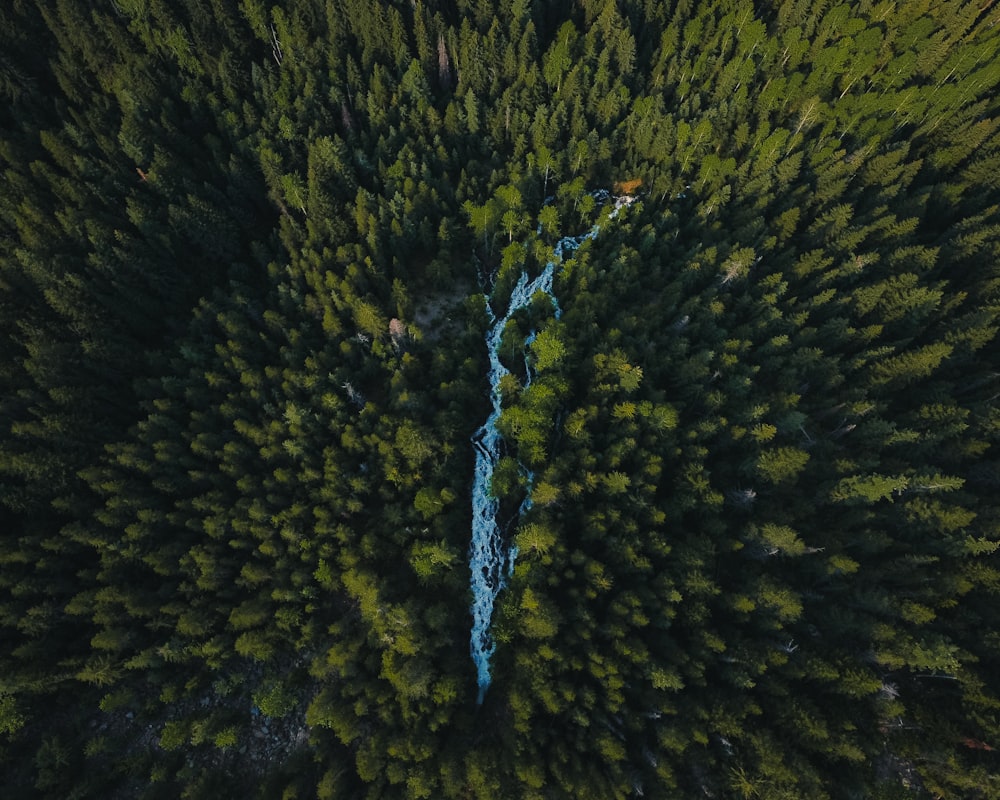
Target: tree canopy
[[245, 255]]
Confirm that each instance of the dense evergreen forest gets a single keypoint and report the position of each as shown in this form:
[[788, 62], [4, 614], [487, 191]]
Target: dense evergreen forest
[[246, 251]]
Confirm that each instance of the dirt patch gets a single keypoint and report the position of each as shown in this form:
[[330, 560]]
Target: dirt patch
[[435, 313]]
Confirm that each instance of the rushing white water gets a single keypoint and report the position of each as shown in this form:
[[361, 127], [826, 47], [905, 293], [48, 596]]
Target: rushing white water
[[489, 560]]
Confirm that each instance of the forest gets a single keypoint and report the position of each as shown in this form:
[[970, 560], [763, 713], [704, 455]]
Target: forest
[[746, 465]]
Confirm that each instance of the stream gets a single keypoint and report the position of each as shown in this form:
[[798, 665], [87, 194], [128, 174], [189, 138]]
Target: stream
[[490, 560]]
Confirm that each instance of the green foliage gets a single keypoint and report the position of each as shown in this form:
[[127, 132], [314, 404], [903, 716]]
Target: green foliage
[[274, 699], [11, 719], [243, 251], [548, 349], [782, 464]]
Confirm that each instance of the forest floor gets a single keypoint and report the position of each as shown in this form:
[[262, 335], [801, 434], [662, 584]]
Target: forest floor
[[434, 315]]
